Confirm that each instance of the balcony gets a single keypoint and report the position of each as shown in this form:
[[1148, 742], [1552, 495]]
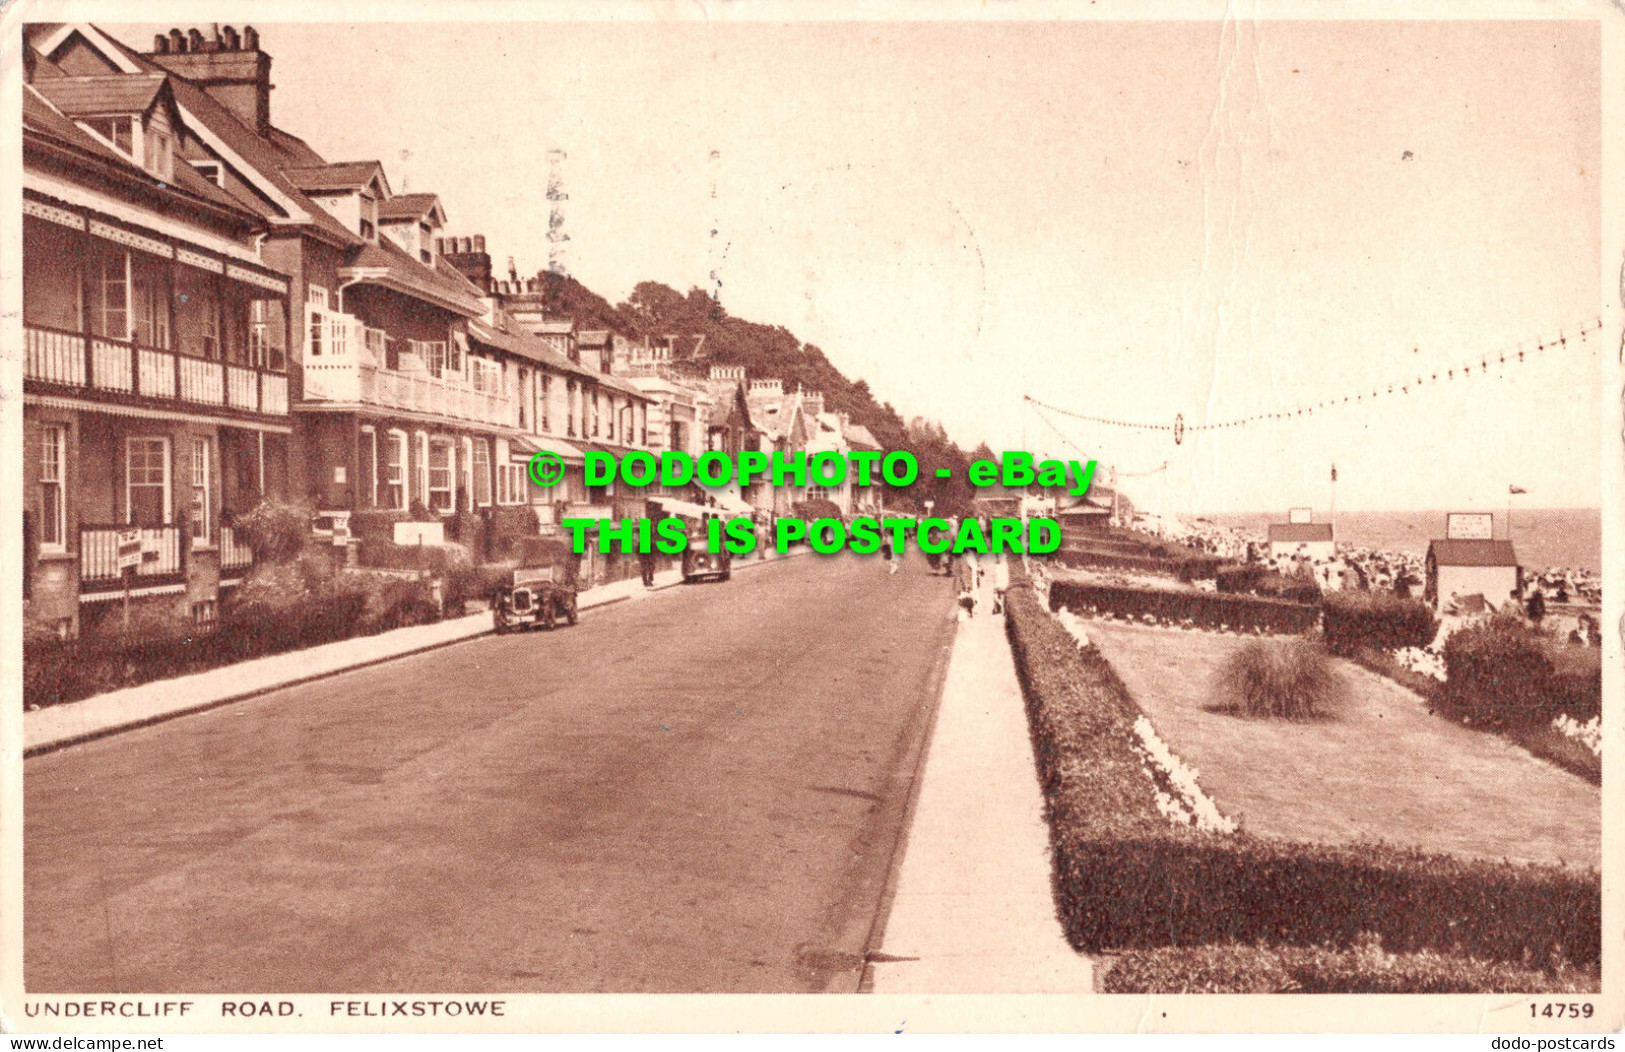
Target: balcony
[[350, 381], [234, 554], [117, 367], [161, 558]]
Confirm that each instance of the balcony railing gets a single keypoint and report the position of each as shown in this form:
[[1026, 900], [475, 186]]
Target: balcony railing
[[161, 557], [94, 363], [351, 381], [234, 554]]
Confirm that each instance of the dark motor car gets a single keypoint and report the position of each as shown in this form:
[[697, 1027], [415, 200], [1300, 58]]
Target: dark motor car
[[542, 590]]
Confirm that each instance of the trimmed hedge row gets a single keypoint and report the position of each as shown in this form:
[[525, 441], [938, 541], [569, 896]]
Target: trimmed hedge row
[[1503, 674], [1236, 969], [1189, 568], [1204, 609], [1127, 878], [1381, 620]]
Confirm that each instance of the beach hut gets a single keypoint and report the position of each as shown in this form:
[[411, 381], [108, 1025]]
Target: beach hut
[[1470, 567], [1310, 539]]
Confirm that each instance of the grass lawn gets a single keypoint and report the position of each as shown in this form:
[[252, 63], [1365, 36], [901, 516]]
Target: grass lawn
[[1381, 768]]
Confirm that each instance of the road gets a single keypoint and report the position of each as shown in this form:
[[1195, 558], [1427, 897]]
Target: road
[[701, 790]]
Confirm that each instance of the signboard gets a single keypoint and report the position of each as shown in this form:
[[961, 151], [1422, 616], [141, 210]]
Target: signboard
[[1469, 526], [1300, 515], [129, 549]]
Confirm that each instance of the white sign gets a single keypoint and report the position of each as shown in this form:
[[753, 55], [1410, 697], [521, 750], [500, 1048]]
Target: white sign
[[1300, 515], [1469, 526], [129, 549]]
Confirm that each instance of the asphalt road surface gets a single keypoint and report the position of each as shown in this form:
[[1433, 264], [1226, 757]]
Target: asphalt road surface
[[699, 791]]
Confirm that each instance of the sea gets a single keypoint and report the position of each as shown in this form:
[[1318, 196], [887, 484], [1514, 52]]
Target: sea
[[1545, 538]]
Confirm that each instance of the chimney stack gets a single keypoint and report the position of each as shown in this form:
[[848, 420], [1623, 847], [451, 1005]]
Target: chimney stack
[[468, 255], [230, 67]]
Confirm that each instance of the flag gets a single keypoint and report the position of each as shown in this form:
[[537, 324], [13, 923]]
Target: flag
[[1516, 489]]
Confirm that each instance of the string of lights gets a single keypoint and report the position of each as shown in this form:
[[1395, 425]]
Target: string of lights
[[1498, 360]]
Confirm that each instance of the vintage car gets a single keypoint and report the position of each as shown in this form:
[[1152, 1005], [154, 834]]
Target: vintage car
[[699, 563], [543, 588]]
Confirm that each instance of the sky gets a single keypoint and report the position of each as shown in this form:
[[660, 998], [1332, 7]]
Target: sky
[[1134, 220]]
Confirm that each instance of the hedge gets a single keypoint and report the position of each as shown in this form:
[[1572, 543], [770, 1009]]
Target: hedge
[[1504, 674], [1381, 620], [1203, 609], [1125, 877], [1186, 568], [1239, 578], [437, 559], [1367, 969]]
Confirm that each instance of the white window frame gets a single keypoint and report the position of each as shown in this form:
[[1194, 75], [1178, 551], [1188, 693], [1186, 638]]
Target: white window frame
[[422, 472], [430, 490], [316, 297], [371, 434], [481, 445], [54, 446], [168, 484], [465, 474], [202, 483], [399, 443]]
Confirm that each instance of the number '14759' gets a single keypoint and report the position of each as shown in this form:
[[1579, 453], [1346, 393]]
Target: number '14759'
[[1560, 1010]]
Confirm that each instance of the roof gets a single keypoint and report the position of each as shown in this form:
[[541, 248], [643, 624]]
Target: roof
[[345, 175], [41, 118], [111, 93], [1300, 532], [592, 338], [405, 274], [554, 327], [859, 436], [267, 155], [410, 206], [1472, 553], [522, 344]]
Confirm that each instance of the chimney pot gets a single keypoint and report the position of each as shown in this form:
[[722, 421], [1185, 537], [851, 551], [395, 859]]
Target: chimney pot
[[465, 245], [251, 39], [160, 44], [229, 37], [479, 243], [177, 41], [194, 40]]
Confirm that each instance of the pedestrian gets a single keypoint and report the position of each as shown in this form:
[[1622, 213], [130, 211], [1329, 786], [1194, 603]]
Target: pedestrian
[[1537, 606], [646, 565], [965, 576], [887, 553], [1001, 582]]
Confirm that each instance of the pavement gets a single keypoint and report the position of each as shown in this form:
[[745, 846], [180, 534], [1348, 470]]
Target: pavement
[[61, 725], [973, 910], [702, 792]]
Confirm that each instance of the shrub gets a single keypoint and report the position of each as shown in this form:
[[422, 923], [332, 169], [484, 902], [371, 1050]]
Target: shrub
[[1381, 620], [1283, 679], [1204, 609], [1239, 578], [376, 524], [1198, 567], [1298, 588], [391, 601], [1127, 878], [276, 530], [432, 558], [1364, 969], [819, 508], [1499, 673], [466, 583]]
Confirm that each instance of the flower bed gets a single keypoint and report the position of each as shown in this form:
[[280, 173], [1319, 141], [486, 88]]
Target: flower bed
[[1366, 969], [1128, 878], [1216, 610]]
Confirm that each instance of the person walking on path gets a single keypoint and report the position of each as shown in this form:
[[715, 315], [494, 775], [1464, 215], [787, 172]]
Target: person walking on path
[[1001, 581], [646, 564], [964, 567]]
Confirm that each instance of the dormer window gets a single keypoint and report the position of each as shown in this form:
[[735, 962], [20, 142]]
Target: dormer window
[[425, 243], [369, 217], [120, 131], [213, 171]]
